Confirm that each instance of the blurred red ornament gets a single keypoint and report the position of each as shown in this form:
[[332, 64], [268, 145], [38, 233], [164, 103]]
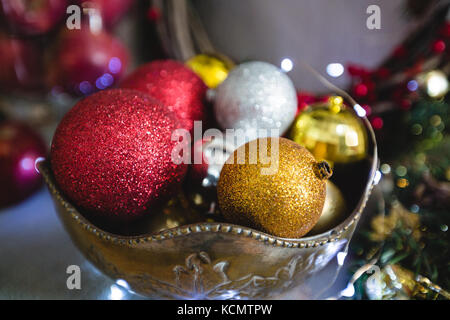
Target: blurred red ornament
[[21, 64], [175, 85], [377, 123], [86, 61], [153, 14], [111, 11], [112, 154], [361, 90], [438, 46], [32, 17], [20, 147]]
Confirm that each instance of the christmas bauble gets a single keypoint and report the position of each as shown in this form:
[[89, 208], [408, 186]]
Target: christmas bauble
[[333, 212], [112, 154], [212, 69], [32, 17], [282, 193], [208, 155], [84, 62], [20, 147], [21, 64], [256, 96], [175, 85], [331, 132]]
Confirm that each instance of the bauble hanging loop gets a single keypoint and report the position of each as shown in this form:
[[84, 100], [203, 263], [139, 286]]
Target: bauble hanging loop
[[322, 170]]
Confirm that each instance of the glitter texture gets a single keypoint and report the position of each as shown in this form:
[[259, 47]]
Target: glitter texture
[[111, 154], [256, 95], [286, 204], [175, 85]]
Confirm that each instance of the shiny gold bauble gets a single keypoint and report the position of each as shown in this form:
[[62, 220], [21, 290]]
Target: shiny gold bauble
[[333, 211], [273, 185], [211, 68], [331, 132]]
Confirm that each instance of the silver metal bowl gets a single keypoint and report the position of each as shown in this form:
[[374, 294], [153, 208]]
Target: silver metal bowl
[[212, 260]]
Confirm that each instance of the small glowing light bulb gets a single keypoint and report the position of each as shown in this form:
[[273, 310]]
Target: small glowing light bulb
[[116, 293], [335, 70], [287, 64], [437, 84]]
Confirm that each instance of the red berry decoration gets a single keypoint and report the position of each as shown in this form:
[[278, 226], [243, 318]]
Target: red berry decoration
[[438, 46], [111, 154], [153, 14], [85, 61], [361, 90], [20, 147], [175, 85], [32, 17]]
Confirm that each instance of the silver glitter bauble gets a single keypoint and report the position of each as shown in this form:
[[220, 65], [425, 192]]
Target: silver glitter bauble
[[210, 153], [256, 97]]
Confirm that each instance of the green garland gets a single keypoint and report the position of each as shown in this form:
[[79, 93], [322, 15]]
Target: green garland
[[415, 239]]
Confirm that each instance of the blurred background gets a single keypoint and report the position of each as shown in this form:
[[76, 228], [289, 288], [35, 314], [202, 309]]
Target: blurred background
[[54, 52]]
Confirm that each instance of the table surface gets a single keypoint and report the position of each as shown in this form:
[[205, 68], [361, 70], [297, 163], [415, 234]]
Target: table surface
[[35, 252]]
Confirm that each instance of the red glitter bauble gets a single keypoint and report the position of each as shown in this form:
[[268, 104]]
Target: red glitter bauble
[[111, 154], [20, 147], [175, 85]]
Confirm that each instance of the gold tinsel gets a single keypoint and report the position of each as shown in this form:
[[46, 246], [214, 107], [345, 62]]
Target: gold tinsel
[[394, 282], [383, 226]]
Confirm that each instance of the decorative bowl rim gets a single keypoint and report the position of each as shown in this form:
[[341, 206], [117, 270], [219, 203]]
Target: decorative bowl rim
[[331, 235]]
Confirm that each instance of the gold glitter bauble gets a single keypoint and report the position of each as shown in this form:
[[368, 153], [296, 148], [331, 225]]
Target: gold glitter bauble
[[212, 69], [331, 132], [333, 211], [273, 185]]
